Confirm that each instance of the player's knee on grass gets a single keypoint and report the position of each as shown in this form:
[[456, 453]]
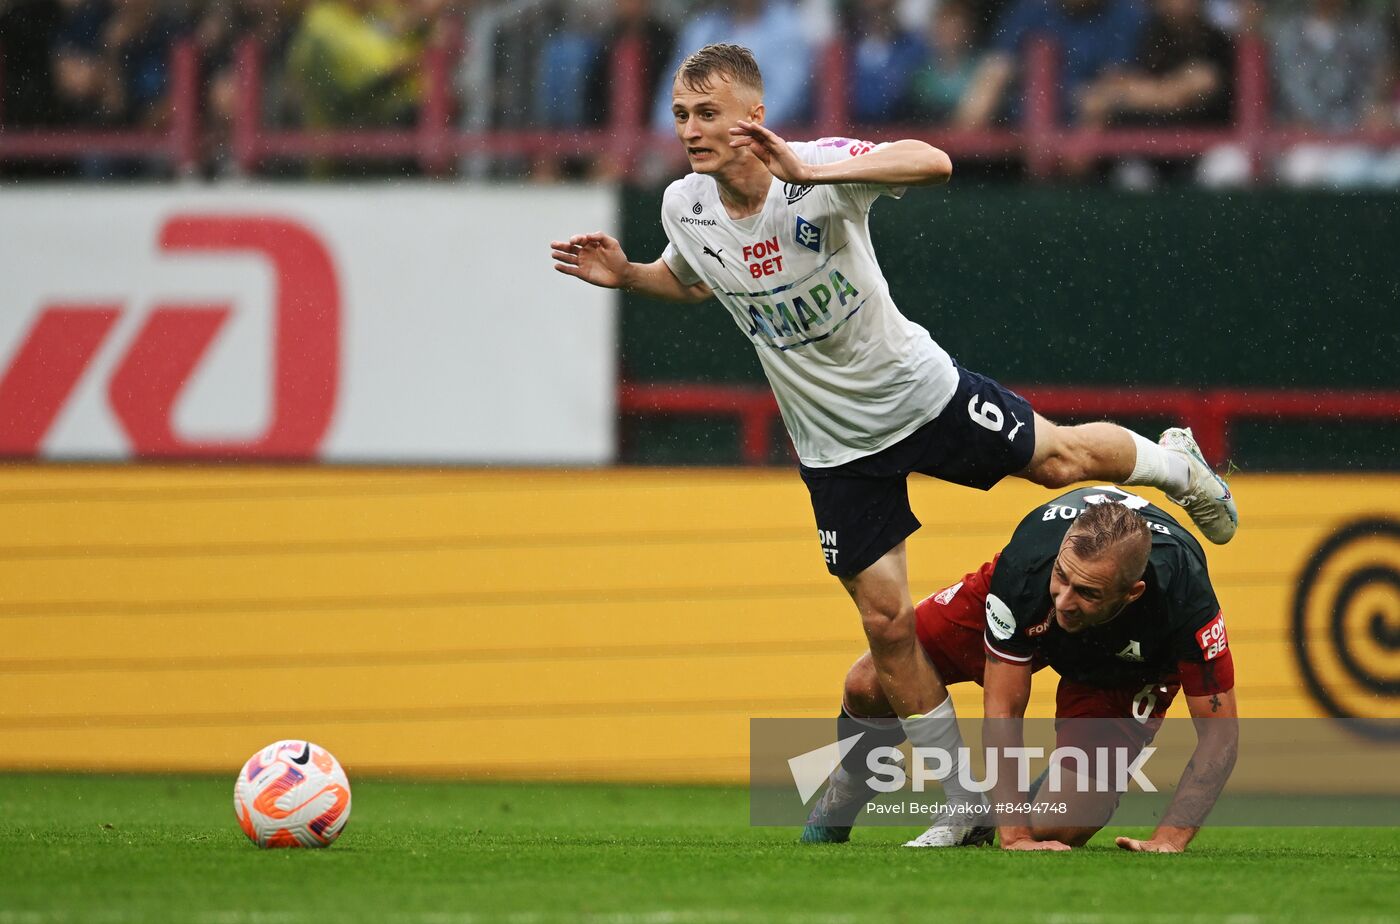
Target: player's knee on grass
[[1072, 803], [863, 694]]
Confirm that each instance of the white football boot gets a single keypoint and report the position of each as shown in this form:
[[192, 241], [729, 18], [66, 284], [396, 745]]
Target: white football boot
[[1207, 500], [955, 829]]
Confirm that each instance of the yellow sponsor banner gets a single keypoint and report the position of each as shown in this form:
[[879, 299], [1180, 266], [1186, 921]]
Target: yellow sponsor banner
[[603, 624]]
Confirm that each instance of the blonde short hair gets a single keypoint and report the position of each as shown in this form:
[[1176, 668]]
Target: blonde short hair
[[720, 60]]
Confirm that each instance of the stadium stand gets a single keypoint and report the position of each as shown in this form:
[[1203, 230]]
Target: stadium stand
[[492, 88]]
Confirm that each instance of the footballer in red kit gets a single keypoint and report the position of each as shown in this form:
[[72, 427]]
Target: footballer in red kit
[[1112, 593]]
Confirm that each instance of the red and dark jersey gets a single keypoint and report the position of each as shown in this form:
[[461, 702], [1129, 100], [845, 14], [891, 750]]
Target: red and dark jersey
[[1174, 631]]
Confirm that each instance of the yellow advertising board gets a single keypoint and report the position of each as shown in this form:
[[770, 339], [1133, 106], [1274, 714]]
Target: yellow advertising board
[[484, 623]]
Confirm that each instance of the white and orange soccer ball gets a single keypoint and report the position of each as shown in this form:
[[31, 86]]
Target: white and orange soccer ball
[[292, 794]]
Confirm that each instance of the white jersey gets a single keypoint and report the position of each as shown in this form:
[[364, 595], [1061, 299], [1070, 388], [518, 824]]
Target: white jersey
[[851, 374]]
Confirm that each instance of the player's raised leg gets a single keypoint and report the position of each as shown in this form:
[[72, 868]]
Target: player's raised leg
[[1108, 452]]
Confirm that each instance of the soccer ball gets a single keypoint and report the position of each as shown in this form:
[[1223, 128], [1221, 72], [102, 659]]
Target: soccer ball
[[292, 794]]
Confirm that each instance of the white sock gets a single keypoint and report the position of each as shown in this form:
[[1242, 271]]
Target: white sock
[[1159, 467], [939, 729]]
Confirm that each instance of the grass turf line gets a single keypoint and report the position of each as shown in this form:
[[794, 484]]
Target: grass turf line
[[128, 849]]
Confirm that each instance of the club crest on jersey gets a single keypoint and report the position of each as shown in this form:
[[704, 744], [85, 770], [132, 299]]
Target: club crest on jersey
[[808, 235], [946, 595]]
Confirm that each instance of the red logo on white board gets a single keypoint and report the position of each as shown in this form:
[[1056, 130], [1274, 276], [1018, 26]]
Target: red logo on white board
[[174, 338]]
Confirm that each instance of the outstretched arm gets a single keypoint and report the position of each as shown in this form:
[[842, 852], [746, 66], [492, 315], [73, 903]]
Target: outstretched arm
[[1217, 745], [900, 163], [598, 259]]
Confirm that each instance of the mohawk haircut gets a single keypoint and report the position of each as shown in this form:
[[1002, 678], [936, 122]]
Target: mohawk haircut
[[720, 60], [1112, 529]]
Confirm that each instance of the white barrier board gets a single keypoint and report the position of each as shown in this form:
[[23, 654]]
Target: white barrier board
[[399, 323]]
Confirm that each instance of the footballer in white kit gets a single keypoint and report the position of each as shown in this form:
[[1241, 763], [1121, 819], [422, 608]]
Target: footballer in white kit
[[777, 232], [862, 389], [851, 374]]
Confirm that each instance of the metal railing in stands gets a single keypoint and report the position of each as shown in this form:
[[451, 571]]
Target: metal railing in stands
[[1210, 413], [436, 142], [178, 142]]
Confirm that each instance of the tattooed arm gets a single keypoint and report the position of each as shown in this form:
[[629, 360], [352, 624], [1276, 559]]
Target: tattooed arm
[[1217, 744]]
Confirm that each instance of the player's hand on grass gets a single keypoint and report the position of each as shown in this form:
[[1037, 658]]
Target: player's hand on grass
[[773, 151], [1153, 845], [1030, 843], [594, 258]]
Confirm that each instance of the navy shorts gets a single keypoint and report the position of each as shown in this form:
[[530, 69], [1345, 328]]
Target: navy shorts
[[985, 433]]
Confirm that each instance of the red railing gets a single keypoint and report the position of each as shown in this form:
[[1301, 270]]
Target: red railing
[[177, 142], [1210, 413], [434, 144]]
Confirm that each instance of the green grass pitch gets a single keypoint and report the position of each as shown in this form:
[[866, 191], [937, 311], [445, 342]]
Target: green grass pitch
[[138, 849]]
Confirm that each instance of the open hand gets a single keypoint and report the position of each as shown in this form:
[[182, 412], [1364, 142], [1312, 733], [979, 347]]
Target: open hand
[[772, 150], [594, 258], [1146, 846]]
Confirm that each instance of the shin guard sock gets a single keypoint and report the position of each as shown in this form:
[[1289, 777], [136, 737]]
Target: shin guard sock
[[1159, 468], [938, 730]]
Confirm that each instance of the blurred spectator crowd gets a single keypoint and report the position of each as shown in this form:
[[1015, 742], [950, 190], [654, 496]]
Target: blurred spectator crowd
[[333, 64]]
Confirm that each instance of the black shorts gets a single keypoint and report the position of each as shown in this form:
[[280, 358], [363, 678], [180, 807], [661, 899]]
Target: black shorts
[[984, 434]]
